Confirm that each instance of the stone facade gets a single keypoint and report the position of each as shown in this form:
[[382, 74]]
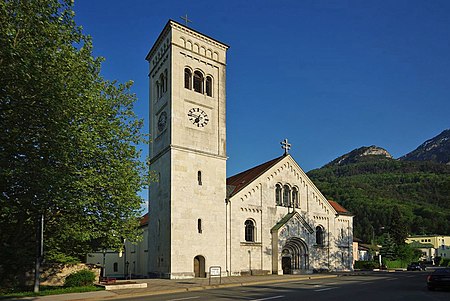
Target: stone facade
[[198, 219], [187, 113]]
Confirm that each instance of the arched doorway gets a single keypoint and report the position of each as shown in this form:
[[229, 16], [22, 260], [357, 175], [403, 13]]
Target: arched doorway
[[199, 266], [294, 258]]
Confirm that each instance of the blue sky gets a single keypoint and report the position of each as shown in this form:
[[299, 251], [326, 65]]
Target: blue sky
[[330, 76]]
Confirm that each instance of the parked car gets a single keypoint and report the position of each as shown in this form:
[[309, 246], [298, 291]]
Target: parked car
[[415, 266], [440, 278]]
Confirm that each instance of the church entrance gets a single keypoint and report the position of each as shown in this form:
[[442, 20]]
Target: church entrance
[[294, 258], [199, 266]]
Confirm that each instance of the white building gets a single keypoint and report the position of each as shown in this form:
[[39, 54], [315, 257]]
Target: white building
[[268, 219]]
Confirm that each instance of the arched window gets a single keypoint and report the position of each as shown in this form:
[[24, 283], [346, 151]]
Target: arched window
[[158, 90], [295, 197], [286, 196], [162, 81], [187, 78], [199, 225], [249, 230], [165, 80], [199, 177], [209, 85], [320, 236], [198, 82], [278, 190]]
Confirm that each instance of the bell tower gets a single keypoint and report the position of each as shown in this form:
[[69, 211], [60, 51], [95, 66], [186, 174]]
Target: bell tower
[[187, 153]]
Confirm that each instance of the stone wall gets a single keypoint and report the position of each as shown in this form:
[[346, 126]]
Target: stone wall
[[55, 274]]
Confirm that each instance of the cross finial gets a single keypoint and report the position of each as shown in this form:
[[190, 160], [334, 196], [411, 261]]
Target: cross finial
[[286, 146], [186, 19]]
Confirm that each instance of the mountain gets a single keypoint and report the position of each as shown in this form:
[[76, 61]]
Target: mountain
[[436, 149], [376, 188], [361, 154]]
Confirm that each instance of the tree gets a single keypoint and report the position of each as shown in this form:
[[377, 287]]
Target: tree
[[398, 227], [67, 141]]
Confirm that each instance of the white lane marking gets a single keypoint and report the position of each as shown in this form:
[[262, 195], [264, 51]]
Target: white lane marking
[[325, 289], [187, 298], [268, 298]]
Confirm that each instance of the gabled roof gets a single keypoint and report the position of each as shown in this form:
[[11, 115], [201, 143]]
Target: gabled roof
[[339, 209], [237, 182], [287, 217], [144, 220], [282, 221]]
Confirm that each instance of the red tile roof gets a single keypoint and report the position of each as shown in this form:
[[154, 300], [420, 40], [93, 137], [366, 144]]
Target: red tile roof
[[237, 182], [144, 220], [339, 209]]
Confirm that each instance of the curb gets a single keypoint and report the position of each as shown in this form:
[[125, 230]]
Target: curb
[[215, 286]]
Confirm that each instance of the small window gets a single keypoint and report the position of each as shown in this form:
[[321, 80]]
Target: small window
[[158, 90], [199, 177], [187, 78], [165, 80], [162, 81], [286, 196], [198, 82], [209, 86], [320, 237], [115, 267], [199, 225], [295, 197], [249, 230], [278, 195]]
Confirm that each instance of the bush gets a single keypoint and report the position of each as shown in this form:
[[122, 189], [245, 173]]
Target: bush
[[444, 262], [366, 265], [80, 278], [392, 264]]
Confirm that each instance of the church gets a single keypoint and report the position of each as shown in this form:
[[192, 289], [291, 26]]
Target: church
[[270, 219]]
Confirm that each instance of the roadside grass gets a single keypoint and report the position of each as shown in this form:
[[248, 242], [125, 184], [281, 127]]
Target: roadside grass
[[47, 290]]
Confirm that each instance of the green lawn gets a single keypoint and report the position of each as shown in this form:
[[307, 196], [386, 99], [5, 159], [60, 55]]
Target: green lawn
[[48, 290]]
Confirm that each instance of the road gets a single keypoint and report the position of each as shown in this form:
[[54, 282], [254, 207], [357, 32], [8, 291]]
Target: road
[[398, 286]]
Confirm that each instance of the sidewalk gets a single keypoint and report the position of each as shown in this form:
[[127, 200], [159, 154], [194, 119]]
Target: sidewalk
[[167, 286]]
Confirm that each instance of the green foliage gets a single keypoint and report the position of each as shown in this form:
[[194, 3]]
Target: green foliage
[[67, 141], [408, 254], [80, 278], [400, 197], [366, 265], [47, 291], [388, 249], [394, 264], [444, 262], [59, 257]]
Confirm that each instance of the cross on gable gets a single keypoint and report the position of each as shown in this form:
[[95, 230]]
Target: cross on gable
[[286, 146], [186, 19]]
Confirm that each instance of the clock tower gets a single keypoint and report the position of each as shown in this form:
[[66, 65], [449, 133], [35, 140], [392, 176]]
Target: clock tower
[[188, 153]]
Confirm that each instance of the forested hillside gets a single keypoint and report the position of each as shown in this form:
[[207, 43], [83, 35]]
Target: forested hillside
[[373, 187]]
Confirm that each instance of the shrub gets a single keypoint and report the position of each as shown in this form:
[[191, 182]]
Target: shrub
[[366, 265], [445, 262], [392, 264], [80, 278]]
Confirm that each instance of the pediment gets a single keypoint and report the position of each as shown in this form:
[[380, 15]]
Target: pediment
[[292, 220]]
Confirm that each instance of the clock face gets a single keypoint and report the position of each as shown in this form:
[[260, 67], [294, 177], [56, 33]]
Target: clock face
[[198, 117], [162, 121]]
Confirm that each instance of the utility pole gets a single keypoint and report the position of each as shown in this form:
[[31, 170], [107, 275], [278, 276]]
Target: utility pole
[[39, 250]]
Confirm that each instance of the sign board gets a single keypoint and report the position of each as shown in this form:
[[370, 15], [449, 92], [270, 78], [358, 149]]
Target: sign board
[[215, 271]]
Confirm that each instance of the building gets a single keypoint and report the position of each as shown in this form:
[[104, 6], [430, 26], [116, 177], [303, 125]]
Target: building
[[131, 262], [432, 246], [268, 219]]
